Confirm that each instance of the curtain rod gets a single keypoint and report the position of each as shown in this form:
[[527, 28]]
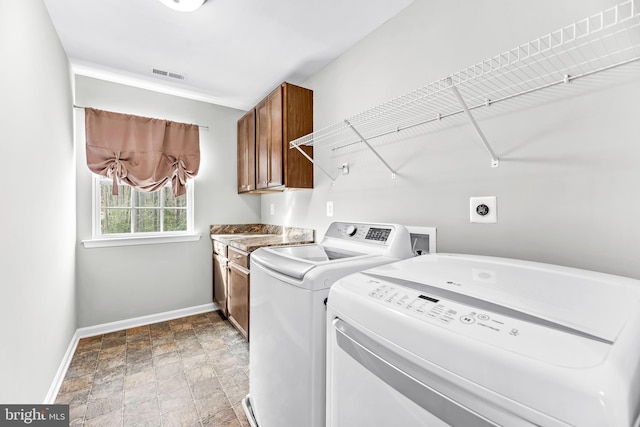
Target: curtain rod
[[79, 106]]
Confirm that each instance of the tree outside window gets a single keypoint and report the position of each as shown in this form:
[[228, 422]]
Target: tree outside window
[[134, 212]]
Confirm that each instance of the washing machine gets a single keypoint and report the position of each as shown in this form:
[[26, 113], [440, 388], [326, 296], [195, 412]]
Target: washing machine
[[464, 341], [288, 297]]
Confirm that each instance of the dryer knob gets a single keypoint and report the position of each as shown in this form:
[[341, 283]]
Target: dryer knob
[[351, 230]]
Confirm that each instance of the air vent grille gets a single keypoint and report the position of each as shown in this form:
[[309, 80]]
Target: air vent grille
[[168, 74]]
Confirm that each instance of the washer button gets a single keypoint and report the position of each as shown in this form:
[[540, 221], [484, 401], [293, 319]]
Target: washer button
[[445, 319], [483, 317], [467, 320]]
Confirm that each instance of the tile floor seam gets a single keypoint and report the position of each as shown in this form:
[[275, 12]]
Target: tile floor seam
[[84, 416], [193, 399], [124, 386], [215, 373]]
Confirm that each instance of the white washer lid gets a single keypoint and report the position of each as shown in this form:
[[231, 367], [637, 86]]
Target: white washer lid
[[298, 260], [593, 303]]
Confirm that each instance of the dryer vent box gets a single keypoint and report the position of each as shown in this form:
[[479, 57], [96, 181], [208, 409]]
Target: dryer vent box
[[423, 240]]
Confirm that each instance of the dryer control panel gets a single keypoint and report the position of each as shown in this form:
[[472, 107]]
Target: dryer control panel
[[441, 311], [538, 339]]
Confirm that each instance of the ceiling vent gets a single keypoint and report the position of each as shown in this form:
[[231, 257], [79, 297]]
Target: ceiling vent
[[168, 74]]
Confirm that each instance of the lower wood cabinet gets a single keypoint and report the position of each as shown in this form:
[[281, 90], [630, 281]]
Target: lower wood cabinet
[[231, 285], [220, 282], [238, 299], [220, 275]]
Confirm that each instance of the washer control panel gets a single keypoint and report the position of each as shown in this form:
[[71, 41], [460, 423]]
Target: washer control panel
[[365, 233]]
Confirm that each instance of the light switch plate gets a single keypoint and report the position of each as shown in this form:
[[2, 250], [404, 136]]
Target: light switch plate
[[272, 209], [483, 210]]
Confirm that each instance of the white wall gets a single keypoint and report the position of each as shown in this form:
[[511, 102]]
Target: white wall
[[37, 306], [567, 183], [120, 283]]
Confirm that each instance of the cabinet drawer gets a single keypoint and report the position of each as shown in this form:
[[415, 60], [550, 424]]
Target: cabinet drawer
[[239, 257], [220, 248]]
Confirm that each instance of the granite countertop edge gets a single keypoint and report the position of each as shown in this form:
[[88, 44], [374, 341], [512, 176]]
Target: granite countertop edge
[[249, 237]]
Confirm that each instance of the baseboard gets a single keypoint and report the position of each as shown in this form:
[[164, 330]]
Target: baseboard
[[62, 370], [105, 328]]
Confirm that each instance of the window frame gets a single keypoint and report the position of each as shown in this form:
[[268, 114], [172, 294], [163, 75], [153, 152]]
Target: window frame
[[99, 239]]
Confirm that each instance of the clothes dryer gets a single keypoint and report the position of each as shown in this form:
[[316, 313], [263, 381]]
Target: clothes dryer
[[460, 340]]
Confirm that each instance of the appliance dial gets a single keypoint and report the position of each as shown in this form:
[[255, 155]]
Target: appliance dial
[[351, 230]]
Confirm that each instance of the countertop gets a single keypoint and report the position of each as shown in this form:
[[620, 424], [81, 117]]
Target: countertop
[[249, 237]]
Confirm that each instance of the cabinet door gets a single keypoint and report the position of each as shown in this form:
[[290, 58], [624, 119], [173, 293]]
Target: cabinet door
[[247, 152], [269, 154], [263, 128], [275, 139], [297, 121], [220, 283], [238, 301]]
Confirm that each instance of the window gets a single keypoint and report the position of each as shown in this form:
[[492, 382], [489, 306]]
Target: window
[[134, 213]]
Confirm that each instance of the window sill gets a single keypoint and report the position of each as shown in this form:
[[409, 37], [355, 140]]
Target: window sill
[[139, 240]]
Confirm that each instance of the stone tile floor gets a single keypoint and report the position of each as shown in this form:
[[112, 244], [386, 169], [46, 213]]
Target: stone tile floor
[[191, 371]]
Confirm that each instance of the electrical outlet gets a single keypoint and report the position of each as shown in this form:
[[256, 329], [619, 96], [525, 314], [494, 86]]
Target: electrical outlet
[[329, 208], [272, 209], [483, 210]]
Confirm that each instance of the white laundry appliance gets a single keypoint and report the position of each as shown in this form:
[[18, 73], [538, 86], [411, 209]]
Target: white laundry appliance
[[289, 289], [465, 341]]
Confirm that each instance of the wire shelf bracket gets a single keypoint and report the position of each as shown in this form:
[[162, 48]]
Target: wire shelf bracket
[[297, 147], [495, 162], [364, 140]]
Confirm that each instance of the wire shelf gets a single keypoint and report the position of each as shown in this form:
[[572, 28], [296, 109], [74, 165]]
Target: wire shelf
[[600, 42]]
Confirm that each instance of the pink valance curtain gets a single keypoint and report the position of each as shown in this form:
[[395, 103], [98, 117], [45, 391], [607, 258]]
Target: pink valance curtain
[[142, 152]]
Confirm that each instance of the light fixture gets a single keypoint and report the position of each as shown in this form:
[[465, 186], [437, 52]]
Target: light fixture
[[183, 5]]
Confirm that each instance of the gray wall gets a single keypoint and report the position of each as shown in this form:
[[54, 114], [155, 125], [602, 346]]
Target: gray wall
[[37, 306], [120, 283], [567, 183]]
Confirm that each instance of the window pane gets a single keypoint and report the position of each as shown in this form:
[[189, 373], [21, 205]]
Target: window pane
[[133, 211], [173, 202], [175, 219], [146, 220], [146, 200], [114, 221], [123, 199]]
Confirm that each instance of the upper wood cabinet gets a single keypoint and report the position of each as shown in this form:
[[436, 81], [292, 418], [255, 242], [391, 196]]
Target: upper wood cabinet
[[284, 115], [247, 152], [269, 141]]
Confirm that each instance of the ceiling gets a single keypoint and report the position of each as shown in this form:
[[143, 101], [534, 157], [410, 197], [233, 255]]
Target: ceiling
[[230, 52]]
